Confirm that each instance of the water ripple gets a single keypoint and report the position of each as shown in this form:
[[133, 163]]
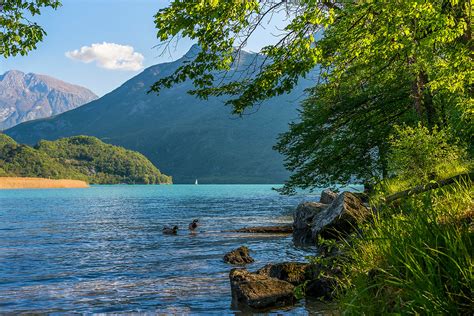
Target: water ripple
[[101, 250]]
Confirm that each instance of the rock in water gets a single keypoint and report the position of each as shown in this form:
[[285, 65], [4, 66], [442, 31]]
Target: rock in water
[[293, 272], [284, 229], [239, 256], [340, 218], [303, 219], [321, 280], [258, 291], [327, 196]]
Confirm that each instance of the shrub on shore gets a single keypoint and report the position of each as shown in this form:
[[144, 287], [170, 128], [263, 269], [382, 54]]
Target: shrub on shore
[[415, 258]]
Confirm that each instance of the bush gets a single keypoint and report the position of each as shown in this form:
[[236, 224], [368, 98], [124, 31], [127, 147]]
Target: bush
[[418, 155]]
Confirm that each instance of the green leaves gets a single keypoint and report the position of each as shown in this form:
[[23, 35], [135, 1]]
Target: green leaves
[[419, 155], [418, 35], [18, 35], [222, 28], [381, 64]]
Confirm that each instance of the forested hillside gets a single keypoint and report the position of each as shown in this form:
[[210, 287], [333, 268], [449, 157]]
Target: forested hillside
[[80, 157]]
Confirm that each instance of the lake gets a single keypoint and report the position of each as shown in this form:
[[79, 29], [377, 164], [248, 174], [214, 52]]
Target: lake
[[101, 250]]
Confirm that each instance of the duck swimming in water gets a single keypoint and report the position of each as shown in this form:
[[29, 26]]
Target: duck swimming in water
[[193, 225], [170, 231]]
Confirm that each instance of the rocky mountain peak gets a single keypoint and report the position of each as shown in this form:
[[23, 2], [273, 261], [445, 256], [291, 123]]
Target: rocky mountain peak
[[25, 97]]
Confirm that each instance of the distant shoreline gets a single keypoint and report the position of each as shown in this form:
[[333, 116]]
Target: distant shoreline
[[40, 183]]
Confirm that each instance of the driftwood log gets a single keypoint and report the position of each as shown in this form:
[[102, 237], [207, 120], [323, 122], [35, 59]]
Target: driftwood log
[[283, 229]]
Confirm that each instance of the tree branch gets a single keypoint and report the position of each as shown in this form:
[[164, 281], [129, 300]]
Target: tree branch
[[429, 186]]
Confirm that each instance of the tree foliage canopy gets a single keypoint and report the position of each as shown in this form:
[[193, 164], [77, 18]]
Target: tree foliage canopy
[[382, 63], [429, 36], [19, 35]]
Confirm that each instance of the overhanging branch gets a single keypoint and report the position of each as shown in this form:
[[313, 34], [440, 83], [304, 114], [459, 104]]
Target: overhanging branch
[[429, 186]]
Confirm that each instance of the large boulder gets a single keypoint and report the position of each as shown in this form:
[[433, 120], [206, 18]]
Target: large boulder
[[239, 256], [340, 218], [327, 196], [303, 219], [258, 291], [293, 272]]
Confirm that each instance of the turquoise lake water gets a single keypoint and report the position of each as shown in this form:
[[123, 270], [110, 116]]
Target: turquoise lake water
[[101, 250]]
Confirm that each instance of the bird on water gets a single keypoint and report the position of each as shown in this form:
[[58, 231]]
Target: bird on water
[[193, 225], [170, 231]]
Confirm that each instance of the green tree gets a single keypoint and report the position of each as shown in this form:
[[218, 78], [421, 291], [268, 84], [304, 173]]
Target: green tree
[[19, 35], [343, 131], [419, 155], [78, 157], [381, 63]]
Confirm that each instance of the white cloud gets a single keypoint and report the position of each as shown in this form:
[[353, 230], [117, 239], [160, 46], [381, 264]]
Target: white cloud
[[109, 56]]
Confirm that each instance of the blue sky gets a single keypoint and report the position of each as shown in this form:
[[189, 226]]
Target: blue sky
[[126, 25]]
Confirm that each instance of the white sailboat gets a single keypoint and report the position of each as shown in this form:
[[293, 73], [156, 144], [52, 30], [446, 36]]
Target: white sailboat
[[196, 182]]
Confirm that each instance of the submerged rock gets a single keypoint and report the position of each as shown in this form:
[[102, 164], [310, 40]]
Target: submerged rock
[[284, 229], [341, 217], [303, 219], [327, 196], [240, 256], [259, 291]]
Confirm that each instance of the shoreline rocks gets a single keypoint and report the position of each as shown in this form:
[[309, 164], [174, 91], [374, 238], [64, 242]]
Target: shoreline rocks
[[327, 196], [239, 256], [258, 291], [341, 217], [334, 220], [275, 285], [303, 219], [324, 287]]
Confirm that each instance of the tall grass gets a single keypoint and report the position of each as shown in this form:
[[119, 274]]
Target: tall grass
[[415, 258]]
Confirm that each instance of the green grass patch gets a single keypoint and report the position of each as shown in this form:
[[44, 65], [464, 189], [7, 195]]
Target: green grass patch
[[414, 258]]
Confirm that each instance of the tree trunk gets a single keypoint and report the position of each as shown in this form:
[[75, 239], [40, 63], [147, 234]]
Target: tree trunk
[[427, 100], [417, 96], [423, 100]]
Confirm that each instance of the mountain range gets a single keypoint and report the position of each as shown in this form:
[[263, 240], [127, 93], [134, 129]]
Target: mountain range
[[185, 137], [25, 97]]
